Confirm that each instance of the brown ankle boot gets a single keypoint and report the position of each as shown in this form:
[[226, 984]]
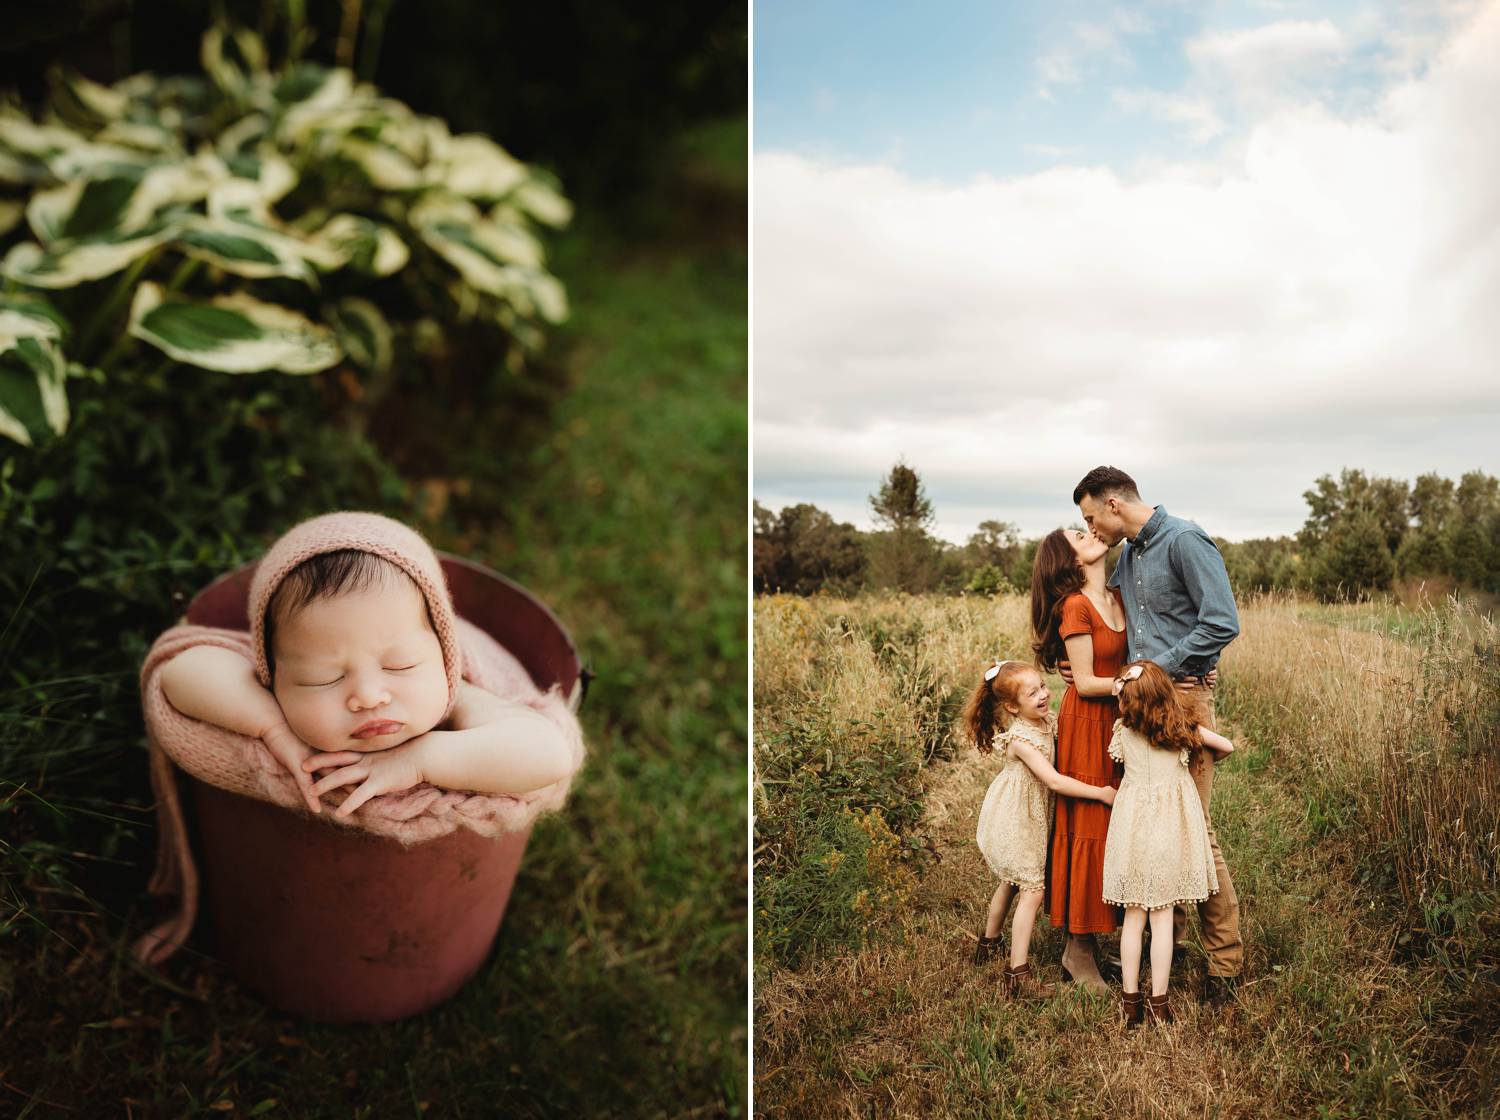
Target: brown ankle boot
[[1130, 1003], [1020, 984], [986, 949], [1159, 1009]]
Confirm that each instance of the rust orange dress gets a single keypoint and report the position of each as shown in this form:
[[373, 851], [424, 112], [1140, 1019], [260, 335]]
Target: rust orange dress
[[1075, 858]]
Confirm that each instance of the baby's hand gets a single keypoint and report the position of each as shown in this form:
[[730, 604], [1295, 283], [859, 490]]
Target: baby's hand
[[292, 753], [388, 771]]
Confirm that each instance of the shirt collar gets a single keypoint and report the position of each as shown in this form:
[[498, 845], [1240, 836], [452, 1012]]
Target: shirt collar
[[1150, 529]]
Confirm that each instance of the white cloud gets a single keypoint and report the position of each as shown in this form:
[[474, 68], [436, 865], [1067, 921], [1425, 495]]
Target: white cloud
[[1326, 301], [1269, 63], [1086, 47], [1195, 115]]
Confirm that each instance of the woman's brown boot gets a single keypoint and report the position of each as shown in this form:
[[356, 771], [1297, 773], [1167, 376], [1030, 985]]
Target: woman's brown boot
[[1020, 984], [1130, 1002], [1160, 1009]]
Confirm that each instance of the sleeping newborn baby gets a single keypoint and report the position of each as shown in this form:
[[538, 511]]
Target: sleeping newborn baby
[[364, 690]]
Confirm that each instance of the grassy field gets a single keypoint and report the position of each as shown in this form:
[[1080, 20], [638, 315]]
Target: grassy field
[[1360, 817], [615, 488]]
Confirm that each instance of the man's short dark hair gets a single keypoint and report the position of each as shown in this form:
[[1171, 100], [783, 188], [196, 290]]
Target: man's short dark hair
[[1105, 482]]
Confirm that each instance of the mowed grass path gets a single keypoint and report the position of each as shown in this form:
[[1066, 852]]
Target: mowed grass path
[[1329, 1022]]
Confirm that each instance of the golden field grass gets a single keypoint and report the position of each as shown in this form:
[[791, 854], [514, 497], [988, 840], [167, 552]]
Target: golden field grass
[[1360, 817]]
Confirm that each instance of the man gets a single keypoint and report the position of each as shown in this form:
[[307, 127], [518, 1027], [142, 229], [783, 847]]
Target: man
[[1179, 613]]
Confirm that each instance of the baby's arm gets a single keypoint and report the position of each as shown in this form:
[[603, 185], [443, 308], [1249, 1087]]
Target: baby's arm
[[1215, 742], [495, 747], [1059, 783], [219, 687]]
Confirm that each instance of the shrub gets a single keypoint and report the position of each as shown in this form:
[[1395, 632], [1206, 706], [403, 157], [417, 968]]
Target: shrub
[[250, 219]]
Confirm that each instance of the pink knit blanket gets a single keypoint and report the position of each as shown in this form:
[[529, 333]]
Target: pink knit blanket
[[245, 766]]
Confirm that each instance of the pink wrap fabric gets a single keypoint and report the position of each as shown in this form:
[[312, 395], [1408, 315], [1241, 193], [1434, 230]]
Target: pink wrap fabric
[[245, 766]]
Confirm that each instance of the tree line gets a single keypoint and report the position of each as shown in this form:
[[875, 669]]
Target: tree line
[[1363, 534]]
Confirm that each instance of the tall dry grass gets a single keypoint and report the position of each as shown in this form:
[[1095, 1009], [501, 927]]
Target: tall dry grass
[[1360, 818]]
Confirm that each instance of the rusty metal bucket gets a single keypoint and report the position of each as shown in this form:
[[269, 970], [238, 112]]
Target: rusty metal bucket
[[341, 926]]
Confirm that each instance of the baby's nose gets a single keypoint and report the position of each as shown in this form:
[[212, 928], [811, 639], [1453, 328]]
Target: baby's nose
[[367, 693]]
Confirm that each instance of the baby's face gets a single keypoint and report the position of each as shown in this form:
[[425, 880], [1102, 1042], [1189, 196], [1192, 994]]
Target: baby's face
[[362, 672]]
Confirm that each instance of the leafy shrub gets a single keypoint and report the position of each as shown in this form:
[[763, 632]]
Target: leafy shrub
[[253, 219]]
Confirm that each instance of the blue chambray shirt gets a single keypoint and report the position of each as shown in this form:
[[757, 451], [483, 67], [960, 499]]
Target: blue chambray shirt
[[1179, 610]]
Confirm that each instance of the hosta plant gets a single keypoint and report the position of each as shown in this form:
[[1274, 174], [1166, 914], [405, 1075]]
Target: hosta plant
[[251, 219]]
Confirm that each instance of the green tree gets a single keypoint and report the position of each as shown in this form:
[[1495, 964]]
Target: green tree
[[1354, 559], [803, 549], [1383, 500], [902, 554]]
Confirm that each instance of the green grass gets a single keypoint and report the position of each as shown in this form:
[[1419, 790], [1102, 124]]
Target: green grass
[[618, 983]]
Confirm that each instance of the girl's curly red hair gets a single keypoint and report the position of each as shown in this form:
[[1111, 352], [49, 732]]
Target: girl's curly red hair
[[986, 712], [1150, 706]]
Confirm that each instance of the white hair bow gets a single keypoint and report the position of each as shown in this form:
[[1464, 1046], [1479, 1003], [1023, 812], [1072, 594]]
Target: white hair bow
[[1129, 674], [994, 670]]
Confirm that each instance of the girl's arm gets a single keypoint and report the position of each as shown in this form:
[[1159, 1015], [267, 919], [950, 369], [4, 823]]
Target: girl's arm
[[1215, 742], [512, 750], [1058, 783], [219, 687], [1080, 649]]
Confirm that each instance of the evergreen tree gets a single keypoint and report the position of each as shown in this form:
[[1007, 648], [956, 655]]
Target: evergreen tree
[[902, 555]]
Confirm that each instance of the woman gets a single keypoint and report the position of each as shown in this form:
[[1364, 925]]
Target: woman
[[1075, 618]]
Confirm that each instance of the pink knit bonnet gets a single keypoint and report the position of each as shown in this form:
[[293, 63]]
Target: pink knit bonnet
[[368, 532]]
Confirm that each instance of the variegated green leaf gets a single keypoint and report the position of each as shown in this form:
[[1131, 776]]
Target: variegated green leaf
[[477, 167], [12, 210], [233, 333], [482, 251], [542, 201], [147, 137], [81, 208], [126, 200], [25, 316], [66, 263], [325, 108], [356, 241], [94, 160], [384, 166], [83, 103], [265, 168], [364, 333], [33, 396], [23, 136], [243, 249], [231, 56]]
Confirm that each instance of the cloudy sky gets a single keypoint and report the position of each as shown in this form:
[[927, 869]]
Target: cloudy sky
[[1228, 247]]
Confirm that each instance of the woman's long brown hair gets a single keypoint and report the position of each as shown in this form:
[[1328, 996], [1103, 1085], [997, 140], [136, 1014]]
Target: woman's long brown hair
[[1055, 574], [1150, 706]]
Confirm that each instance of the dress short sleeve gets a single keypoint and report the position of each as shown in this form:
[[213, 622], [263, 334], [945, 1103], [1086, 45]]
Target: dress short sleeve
[[1116, 748], [1075, 617]]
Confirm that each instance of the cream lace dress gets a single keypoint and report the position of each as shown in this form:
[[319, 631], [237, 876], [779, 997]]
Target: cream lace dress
[[1017, 809], [1157, 852]]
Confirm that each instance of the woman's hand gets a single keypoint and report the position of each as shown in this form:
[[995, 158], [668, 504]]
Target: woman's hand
[[376, 772], [293, 753], [1106, 794]]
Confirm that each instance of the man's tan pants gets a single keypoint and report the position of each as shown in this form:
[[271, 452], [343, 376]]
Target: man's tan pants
[[1219, 916]]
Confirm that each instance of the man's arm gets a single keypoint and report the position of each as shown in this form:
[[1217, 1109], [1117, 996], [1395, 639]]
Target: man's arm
[[1201, 568]]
